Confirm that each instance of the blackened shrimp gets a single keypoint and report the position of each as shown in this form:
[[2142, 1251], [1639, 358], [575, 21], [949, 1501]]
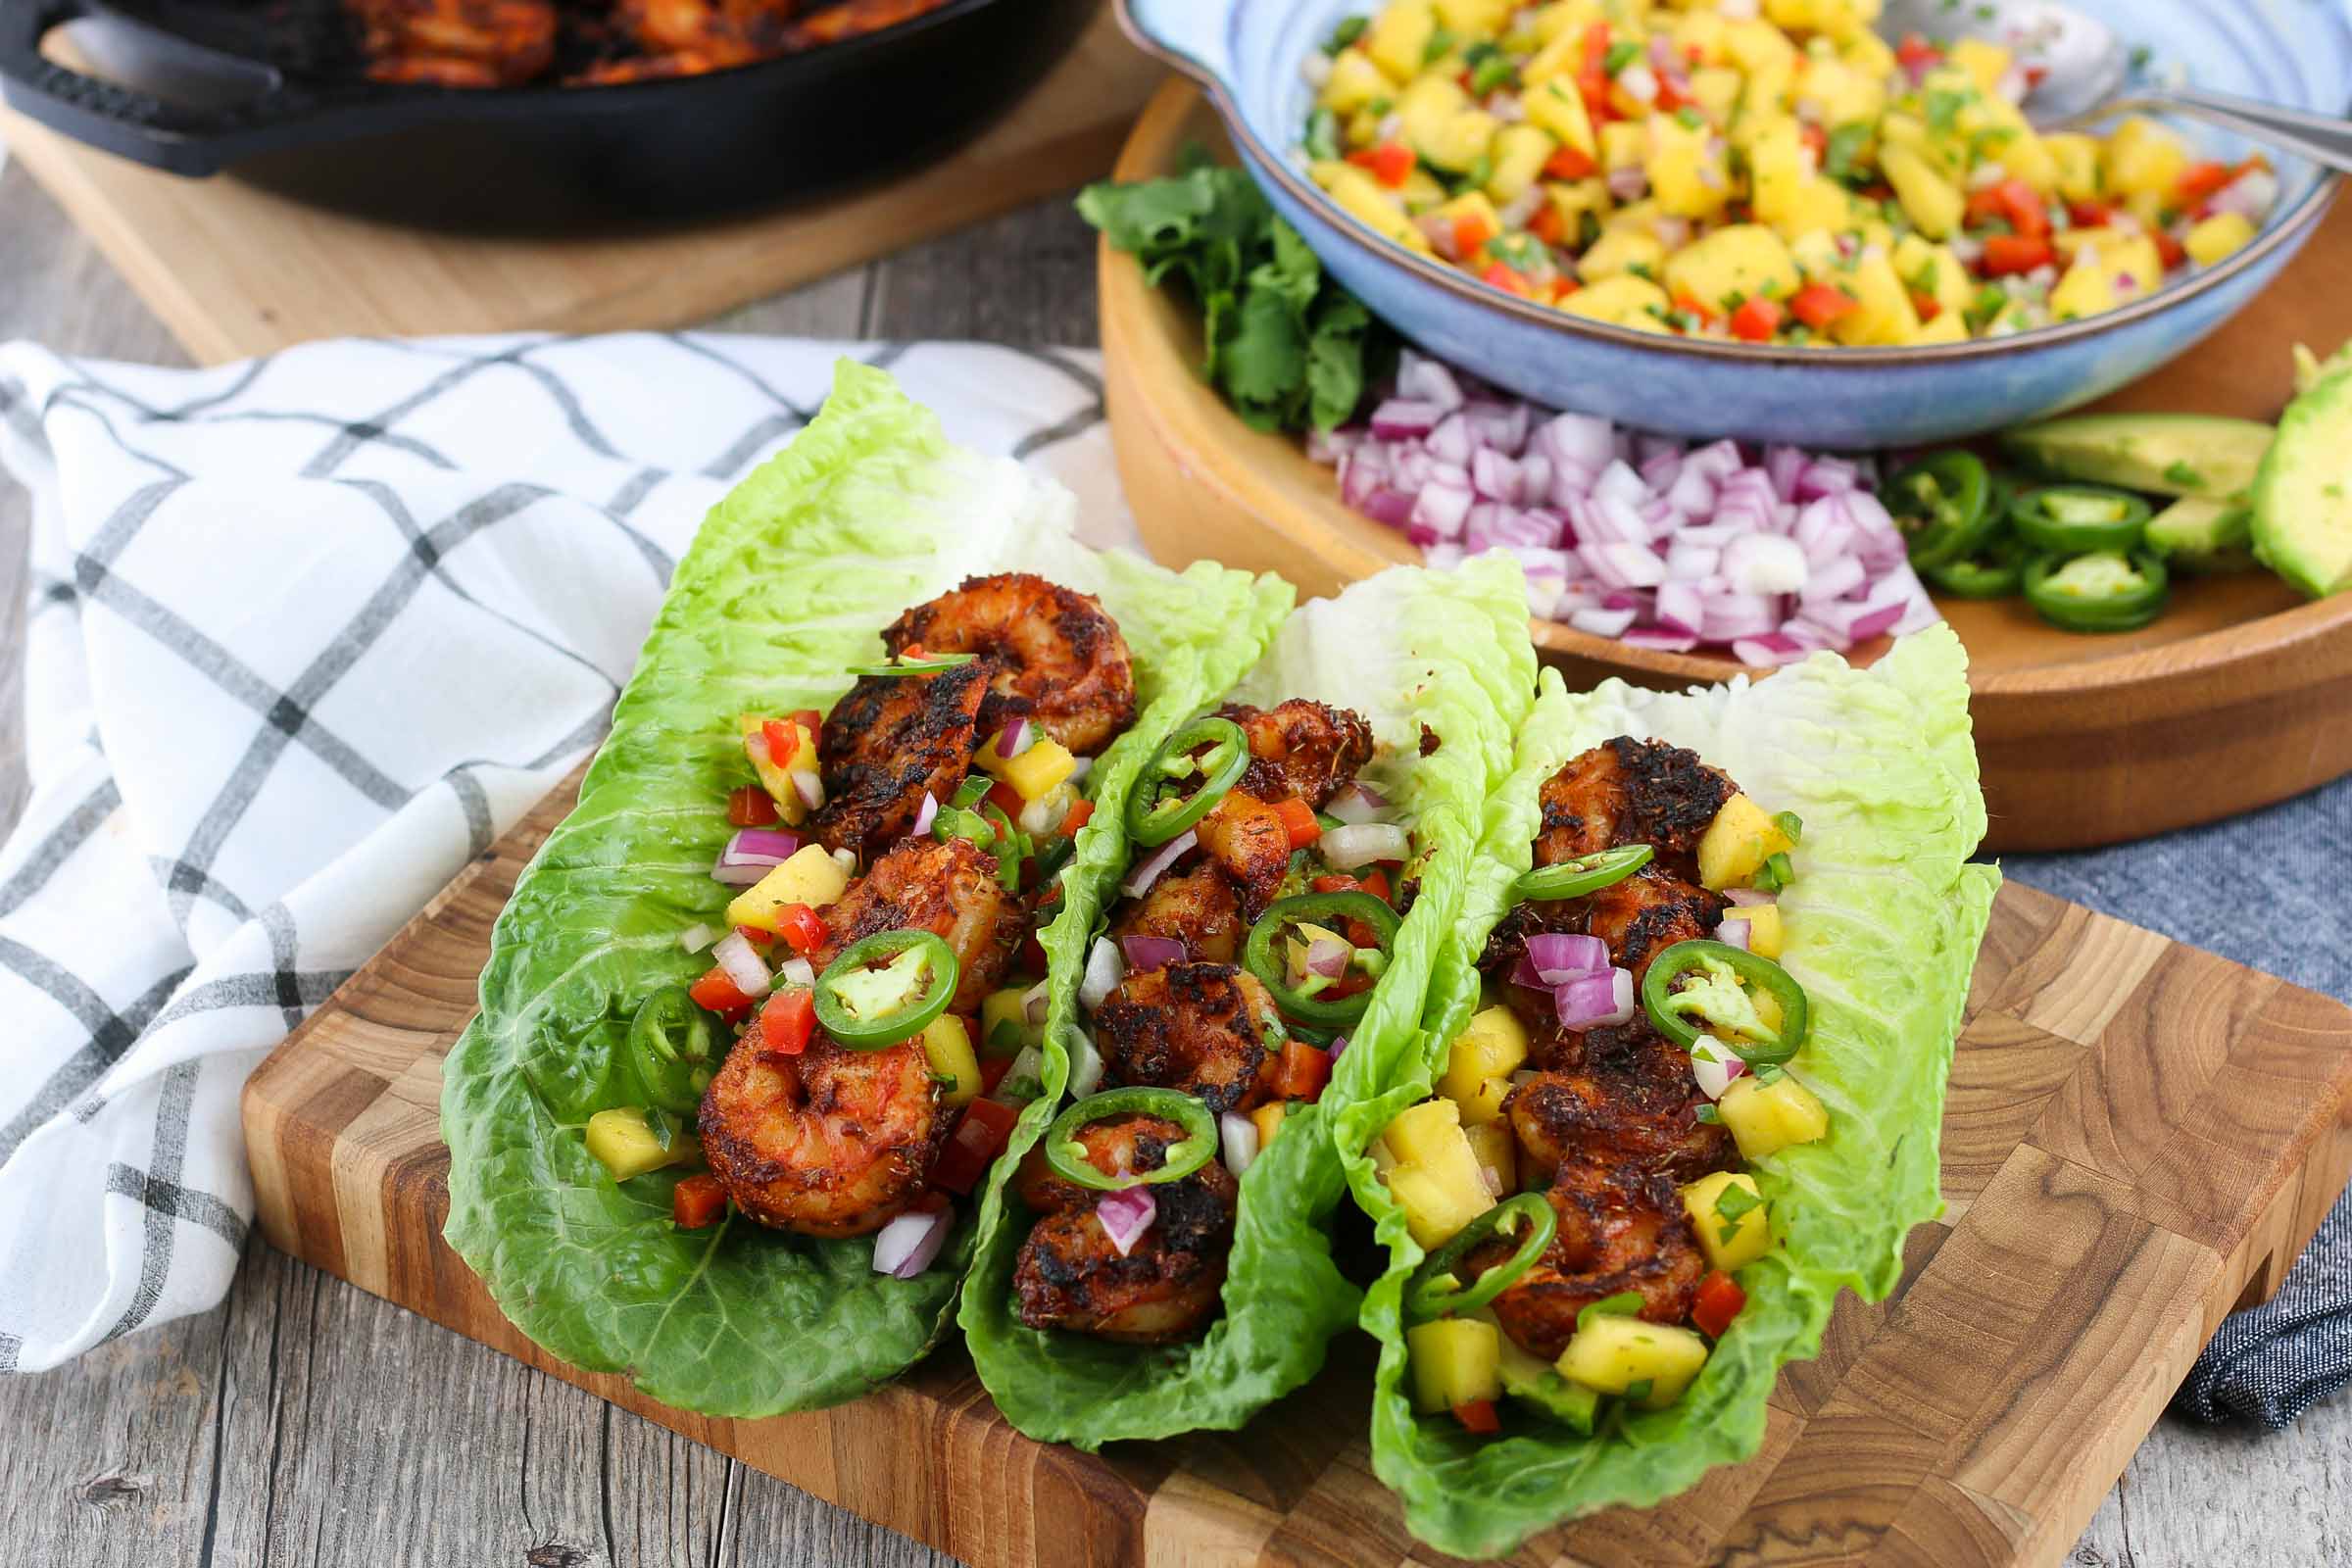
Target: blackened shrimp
[[1630, 791], [1199, 1027], [1070, 1274], [1648, 912], [889, 742], [1622, 1095], [1198, 908], [949, 889], [1622, 1228], [1300, 748], [1048, 653], [1248, 841], [828, 1142]]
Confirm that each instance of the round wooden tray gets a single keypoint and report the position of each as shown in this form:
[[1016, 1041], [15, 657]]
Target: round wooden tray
[[2239, 696]]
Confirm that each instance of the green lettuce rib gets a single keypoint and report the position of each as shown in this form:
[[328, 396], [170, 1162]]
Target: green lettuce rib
[[1406, 648], [789, 582], [1882, 924]]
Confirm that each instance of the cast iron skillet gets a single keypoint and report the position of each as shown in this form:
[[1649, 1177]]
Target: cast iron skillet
[[201, 85]]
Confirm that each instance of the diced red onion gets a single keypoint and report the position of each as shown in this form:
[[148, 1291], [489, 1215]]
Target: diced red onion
[[925, 814], [760, 845], [797, 972], [907, 1246], [1630, 183], [1559, 958], [1363, 843], [810, 788], [1086, 1064], [1428, 380], [1601, 622], [1339, 1043], [1715, 1065], [1765, 564], [1151, 952], [847, 860], [738, 876], [1732, 933], [1325, 957], [1036, 1001], [1126, 1214], [694, 938], [1104, 972], [1014, 738], [1138, 881], [1455, 440], [735, 953], [1594, 999], [1659, 639], [1030, 1064], [1358, 803], [1749, 897], [1768, 650], [1237, 1142]]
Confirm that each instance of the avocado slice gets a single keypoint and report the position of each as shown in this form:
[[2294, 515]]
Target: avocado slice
[[1534, 1383], [2164, 454], [2303, 497], [2194, 534]]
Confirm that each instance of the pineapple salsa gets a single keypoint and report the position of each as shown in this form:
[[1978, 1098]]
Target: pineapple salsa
[[1579, 1179], [1764, 170]]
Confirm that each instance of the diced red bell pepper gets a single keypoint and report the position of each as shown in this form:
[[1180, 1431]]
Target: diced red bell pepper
[[2016, 203], [1817, 305], [696, 1202], [1304, 1070], [1470, 236], [1563, 286], [1816, 140], [1390, 163], [1507, 279], [1547, 225], [2006, 255], [788, 1022], [2169, 250], [1928, 306], [801, 927], [1298, 820], [1756, 320], [2089, 215], [1718, 1302], [1334, 882], [783, 741], [1916, 54], [1076, 817], [2200, 180], [1377, 884], [1005, 798], [1033, 957], [808, 719], [757, 937], [1479, 1416], [1570, 163], [979, 1138], [1594, 61], [991, 1068], [750, 807], [1690, 304], [719, 992]]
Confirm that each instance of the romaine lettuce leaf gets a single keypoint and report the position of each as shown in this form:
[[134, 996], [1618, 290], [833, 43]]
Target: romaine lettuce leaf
[[1406, 648], [789, 582], [1882, 924]]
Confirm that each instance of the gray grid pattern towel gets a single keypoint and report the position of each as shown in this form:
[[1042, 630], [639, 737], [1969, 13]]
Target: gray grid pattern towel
[[240, 793], [2267, 890]]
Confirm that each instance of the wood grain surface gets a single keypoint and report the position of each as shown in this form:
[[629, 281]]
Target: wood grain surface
[[2139, 1137], [2232, 698], [235, 269], [304, 1421]]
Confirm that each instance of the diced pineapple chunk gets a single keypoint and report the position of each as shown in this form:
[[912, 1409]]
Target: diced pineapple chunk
[[1008, 1010], [776, 778], [2085, 290], [1624, 144], [1716, 90], [1520, 153], [1437, 1179], [2144, 156], [1868, 53], [2077, 159], [1367, 200], [1768, 59], [1562, 56], [1737, 843], [1455, 1360], [1354, 81], [1688, 175], [1473, 207], [1573, 199], [1932, 270], [1268, 1119], [1498, 1151], [1777, 169], [1985, 63], [1477, 18], [1618, 1355], [1839, 94], [1618, 252], [2220, 235], [1766, 935], [1491, 1044], [1701, 29], [1557, 109], [1733, 1233], [1426, 105], [1459, 141], [1625, 300], [1766, 1119], [1037, 772], [949, 1045], [1744, 259], [1426, 1133], [625, 1145], [1932, 202], [810, 876], [1820, 206], [1400, 35]]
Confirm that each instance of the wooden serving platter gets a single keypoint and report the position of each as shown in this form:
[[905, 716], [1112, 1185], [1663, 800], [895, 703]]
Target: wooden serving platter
[[2139, 1136], [236, 269], [2232, 699]]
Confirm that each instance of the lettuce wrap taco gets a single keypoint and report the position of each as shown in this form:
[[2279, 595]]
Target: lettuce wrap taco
[[720, 1118], [1159, 1258], [1680, 1084]]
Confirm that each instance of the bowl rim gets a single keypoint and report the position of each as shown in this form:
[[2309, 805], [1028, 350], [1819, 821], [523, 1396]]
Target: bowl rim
[[1266, 162]]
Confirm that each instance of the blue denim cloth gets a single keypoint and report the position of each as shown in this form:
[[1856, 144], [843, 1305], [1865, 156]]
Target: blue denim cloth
[[2274, 892]]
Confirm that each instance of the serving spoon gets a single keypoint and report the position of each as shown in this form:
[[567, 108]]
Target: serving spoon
[[2087, 73]]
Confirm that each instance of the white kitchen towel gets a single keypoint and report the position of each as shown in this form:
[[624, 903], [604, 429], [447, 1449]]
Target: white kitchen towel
[[306, 634]]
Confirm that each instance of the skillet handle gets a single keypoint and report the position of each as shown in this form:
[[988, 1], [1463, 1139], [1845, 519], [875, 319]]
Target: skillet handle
[[198, 131], [1189, 34]]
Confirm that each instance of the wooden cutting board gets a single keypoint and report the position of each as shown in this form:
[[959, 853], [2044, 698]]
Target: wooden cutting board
[[2139, 1136], [234, 269]]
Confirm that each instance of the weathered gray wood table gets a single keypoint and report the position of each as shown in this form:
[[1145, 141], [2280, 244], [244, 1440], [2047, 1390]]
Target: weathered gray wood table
[[306, 1422]]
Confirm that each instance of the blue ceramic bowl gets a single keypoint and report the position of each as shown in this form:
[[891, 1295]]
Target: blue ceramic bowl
[[1247, 53]]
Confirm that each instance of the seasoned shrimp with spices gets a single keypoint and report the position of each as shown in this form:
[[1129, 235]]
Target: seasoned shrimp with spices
[[1199, 1027], [456, 43], [829, 1143], [889, 742], [1070, 1274], [1198, 908], [1622, 1228], [1045, 652], [1627, 791], [1250, 843], [1648, 912], [947, 888], [1623, 1093], [1310, 750]]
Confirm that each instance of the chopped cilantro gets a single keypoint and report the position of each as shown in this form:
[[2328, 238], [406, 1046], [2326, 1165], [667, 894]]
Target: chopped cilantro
[[1841, 153], [1731, 1204], [1943, 109], [1691, 119], [1347, 32], [1625, 1304], [1621, 55], [1439, 46], [2181, 473]]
